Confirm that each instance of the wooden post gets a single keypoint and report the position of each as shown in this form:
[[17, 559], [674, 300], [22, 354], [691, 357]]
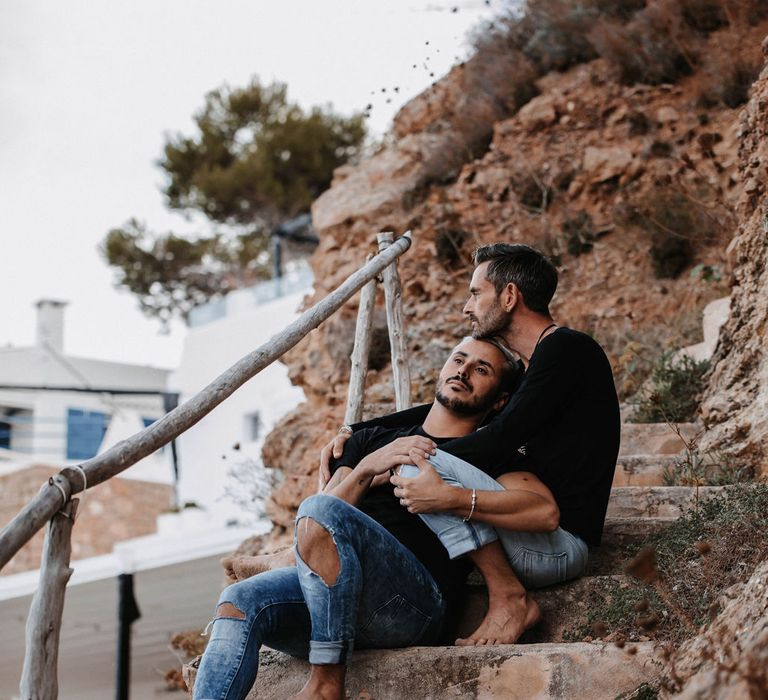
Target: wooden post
[[393, 297], [127, 452], [39, 677], [360, 353]]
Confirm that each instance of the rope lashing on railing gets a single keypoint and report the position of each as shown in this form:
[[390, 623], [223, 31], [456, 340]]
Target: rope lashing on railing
[[58, 481], [127, 452]]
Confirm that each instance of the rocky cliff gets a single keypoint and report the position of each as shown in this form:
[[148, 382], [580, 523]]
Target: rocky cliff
[[630, 188], [736, 405]]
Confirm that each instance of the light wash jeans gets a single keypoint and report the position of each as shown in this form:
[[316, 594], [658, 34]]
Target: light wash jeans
[[538, 558], [382, 598]]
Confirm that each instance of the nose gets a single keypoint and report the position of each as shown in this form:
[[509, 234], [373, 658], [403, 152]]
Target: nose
[[467, 310]]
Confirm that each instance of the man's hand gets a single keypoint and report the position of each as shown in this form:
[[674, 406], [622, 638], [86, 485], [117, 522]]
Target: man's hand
[[394, 454], [334, 448], [425, 493]]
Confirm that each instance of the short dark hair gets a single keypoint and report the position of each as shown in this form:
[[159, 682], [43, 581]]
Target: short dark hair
[[528, 269]]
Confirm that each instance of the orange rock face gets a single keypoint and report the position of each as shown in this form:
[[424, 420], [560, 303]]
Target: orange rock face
[[591, 171], [736, 404]]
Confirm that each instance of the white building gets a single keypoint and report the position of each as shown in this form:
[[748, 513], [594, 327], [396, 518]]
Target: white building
[[59, 409], [176, 572], [232, 434]]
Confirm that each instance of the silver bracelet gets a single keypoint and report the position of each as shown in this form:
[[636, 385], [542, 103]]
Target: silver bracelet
[[346, 429], [472, 509]]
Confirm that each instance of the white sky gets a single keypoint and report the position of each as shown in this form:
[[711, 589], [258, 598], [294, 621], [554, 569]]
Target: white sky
[[88, 90]]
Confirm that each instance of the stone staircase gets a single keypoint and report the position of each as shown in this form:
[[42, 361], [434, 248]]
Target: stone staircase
[[541, 665]]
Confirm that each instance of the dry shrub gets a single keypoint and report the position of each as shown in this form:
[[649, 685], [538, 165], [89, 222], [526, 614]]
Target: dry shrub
[[191, 643], [452, 247], [579, 233], [715, 545], [676, 222], [534, 193], [655, 47], [728, 70], [495, 83], [704, 15]]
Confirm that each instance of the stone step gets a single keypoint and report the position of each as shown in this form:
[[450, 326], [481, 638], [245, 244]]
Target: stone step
[[513, 672], [657, 501], [655, 438], [622, 538], [562, 607], [644, 469]]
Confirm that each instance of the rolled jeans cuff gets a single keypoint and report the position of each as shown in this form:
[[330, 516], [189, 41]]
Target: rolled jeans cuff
[[464, 537], [324, 653]]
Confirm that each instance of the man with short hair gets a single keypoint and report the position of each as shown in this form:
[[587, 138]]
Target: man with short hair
[[561, 424], [368, 571]]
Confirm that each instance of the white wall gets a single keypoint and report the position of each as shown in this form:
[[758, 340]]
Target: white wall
[[208, 351]]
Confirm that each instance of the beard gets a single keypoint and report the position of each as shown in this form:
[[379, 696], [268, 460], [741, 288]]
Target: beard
[[471, 406], [495, 322]]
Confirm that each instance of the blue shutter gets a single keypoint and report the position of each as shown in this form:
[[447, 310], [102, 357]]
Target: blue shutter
[[85, 431]]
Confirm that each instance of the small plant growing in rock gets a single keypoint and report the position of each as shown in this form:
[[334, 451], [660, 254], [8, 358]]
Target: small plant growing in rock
[[696, 467], [677, 383]]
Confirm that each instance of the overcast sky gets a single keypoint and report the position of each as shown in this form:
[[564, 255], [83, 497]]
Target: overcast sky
[[88, 90]]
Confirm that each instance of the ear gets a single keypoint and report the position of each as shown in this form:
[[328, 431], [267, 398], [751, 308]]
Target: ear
[[501, 401], [510, 297]]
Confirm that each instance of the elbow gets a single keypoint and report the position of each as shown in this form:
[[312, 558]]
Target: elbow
[[551, 518]]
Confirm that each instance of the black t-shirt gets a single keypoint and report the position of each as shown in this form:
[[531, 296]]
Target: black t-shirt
[[381, 504], [562, 424]]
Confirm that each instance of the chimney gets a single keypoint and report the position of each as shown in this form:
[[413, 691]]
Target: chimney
[[50, 324]]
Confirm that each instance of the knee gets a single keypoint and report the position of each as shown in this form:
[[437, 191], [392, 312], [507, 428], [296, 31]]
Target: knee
[[320, 507], [231, 602], [316, 548], [445, 465]]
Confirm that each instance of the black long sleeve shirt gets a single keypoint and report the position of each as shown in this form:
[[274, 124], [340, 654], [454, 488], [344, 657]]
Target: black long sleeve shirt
[[562, 424]]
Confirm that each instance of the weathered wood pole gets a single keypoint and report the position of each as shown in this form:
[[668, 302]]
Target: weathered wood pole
[[127, 452], [393, 298], [360, 352], [39, 676]]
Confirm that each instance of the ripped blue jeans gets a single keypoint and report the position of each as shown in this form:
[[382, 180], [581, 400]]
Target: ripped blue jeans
[[383, 597], [538, 558]]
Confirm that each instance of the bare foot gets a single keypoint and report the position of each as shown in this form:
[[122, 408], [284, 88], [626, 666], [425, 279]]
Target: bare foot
[[325, 683], [239, 568], [504, 622]]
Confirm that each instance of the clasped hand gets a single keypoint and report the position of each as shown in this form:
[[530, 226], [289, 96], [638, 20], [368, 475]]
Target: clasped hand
[[424, 493], [397, 452]]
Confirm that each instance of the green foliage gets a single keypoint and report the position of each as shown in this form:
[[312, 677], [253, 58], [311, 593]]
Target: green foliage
[[255, 160], [677, 385], [257, 156], [171, 275]]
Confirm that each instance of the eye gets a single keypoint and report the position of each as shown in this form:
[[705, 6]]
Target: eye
[[482, 370], [457, 360]]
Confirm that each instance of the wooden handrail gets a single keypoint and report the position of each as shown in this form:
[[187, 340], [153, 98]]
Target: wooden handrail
[[127, 452]]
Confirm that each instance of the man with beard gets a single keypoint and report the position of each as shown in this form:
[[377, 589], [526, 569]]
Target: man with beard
[[367, 570], [561, 424]]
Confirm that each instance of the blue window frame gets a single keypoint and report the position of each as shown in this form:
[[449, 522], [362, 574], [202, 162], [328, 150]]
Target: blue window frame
[[85, 431], [5, 435]]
